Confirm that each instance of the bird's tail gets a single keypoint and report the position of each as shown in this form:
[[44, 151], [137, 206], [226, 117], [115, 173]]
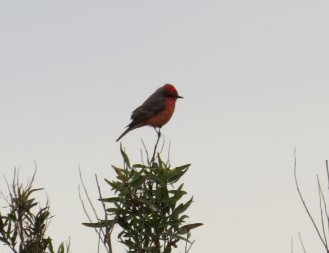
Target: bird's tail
[[123, 134], [127, 131]]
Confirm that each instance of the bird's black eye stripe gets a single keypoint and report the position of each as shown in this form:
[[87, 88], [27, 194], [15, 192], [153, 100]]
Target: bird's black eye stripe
[[169, 95]]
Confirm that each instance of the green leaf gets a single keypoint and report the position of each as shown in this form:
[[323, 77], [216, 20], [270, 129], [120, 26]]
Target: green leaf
[[121, 234], [182, 219], [136, 177], [61, 248], [120, 173], [125, 157], [183, 167], [101, 224], [112, 199], [176, 174], [186, 229], [117, 186], [137, 182], [151, 177], [182, 208], [122, 222], [4, 240], [50, 247], [139, 166], [129, 244], [176, 236], [112, 210], [29, 192], [177, 194], [12, 216], [148, 203]]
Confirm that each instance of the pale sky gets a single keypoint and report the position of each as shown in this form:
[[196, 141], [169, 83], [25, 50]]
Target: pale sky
[[254, 76]]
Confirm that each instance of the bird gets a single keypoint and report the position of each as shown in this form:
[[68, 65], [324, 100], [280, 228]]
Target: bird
[[156, 111]]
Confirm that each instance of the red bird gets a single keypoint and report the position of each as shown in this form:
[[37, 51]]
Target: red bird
[[156, 111]]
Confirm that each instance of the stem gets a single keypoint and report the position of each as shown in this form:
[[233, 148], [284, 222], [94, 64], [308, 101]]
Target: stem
[[156, 145], [305, 206], [321, 210], [301, 242]]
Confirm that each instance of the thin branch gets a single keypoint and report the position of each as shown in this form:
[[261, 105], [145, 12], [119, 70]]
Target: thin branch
[[168, 155], [83, 206], [304, 204], [301, 242], [88, 217], [156, 145], [188, 244], [99, 232], [12, 248], [187, 249], [100, 196], [87, 195], [142, 157], [325, 204], [146, 152], [327, 214], [327, 169], [108, 232], [163, 144], [292, 245], [322, 200]]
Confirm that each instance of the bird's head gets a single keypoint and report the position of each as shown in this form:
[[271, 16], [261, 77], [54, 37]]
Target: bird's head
[[170, 91]]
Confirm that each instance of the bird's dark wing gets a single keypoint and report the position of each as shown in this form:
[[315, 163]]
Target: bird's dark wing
[[152, 106]]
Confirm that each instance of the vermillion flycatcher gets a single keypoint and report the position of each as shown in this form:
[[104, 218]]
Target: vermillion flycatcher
[[156, 111]]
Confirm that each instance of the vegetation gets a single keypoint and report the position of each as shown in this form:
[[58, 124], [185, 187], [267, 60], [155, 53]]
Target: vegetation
[[321, 230], [147, 205], [23, 227]]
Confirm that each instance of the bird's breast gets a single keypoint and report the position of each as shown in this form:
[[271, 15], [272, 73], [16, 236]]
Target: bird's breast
[[163, 116]]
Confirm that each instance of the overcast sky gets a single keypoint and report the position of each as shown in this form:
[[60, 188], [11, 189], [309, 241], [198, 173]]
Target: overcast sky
[[254, 76]]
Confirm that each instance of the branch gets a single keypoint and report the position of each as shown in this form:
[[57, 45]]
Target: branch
[[146, 152], [156, 145], [99, 232], [292, 245], [107, 231], [301, 242], [304, 204], [322, 200]]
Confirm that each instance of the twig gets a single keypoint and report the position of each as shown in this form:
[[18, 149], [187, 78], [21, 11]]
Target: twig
[[142, 157], [100, 232], [301, 242], [190, 246], [146, 152], [90, 220], [163, 144], [292, 245], [168, 155], [304, 204], [87, 195], [322, 200], [107, 232], [327, 170], [155, 147]]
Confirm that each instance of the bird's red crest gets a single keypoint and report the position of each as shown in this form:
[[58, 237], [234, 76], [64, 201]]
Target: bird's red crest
[[170, 89]]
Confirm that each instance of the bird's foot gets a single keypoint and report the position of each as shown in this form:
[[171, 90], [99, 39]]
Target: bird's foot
[[158, 132]]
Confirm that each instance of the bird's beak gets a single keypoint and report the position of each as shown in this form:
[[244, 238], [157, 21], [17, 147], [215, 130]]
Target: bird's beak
[[179, 97]]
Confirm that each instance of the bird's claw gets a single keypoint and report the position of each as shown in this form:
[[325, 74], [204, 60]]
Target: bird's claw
[[158, 132]]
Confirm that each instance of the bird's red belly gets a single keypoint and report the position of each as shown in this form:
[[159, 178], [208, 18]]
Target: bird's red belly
[[162, 117]]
